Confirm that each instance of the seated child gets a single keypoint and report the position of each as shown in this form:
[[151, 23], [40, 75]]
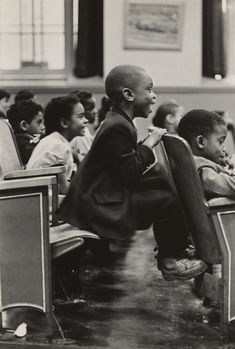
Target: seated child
[[64, 119], [26, 119], [25, 95], [168, 116], [106, 105], [110, 196], [230, 139], [81, 145], [206, 132], [4, 101]]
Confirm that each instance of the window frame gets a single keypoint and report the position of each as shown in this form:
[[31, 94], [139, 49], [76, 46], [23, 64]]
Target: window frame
[[45, 74]]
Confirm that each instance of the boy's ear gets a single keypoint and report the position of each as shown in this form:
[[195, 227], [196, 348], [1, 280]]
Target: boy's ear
[[23, 125], [200, 142], [169, 118], [128, 94]]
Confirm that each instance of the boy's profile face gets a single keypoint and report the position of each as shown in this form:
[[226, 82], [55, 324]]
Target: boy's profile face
[[36, 126], [214, 147], [144, 96], [77, 122]]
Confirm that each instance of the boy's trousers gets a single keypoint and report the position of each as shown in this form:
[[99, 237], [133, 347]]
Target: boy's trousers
[[159, 207]]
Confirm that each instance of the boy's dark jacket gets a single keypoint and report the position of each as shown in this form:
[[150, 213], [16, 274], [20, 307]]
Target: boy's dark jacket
[[100, 195], [26, 144]]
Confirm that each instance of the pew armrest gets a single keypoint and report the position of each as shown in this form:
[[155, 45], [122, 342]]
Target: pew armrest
[[27, 183], [222, 201], [37, 172]]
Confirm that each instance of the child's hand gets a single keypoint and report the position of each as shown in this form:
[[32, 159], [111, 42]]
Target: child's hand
[[155, 135], [230, 160], [77, 156], [151, 129]]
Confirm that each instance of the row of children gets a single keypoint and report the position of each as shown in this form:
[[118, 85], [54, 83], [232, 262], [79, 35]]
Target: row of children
[[26, 117], [71, 118], [109, 195]]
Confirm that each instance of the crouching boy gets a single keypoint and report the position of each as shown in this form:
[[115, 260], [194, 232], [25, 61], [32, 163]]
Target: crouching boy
[[111, 197]]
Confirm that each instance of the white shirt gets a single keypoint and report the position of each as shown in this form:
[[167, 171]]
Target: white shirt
[[82, 144], [52, 150]]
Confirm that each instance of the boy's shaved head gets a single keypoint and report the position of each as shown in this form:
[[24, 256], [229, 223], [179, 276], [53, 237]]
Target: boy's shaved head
[[122, 76]]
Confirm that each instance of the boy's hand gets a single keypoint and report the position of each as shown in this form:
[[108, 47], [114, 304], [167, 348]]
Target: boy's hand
[[230, 161], [155, 135]]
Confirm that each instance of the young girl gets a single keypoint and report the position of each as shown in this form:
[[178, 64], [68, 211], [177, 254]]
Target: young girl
[[64, 119]]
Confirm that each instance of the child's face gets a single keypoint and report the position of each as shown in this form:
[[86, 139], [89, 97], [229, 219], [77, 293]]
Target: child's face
[[90, 110], [144, 96], [214, 147], [4, 105], [77, 122], [177, 116], [94, 114], [36, 126]]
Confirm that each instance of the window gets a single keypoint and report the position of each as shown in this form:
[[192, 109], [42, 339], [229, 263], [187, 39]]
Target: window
[[218, 39], [37, 38], [231, 36]]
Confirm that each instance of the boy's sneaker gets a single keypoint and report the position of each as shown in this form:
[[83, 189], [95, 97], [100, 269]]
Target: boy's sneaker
[[181, 269]]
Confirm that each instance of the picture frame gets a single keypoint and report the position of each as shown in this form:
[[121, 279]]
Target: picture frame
[[153, 24]]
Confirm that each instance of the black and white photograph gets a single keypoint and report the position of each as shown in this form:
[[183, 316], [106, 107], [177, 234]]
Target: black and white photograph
[[117, 174]]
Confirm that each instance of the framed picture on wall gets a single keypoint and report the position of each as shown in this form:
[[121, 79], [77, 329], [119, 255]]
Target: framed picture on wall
[[153, 24]]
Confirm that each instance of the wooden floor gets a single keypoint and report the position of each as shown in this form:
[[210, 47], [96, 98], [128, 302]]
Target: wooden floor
[[125, 304]]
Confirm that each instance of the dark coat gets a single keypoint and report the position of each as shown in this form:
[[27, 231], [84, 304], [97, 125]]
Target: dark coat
[[100, 194], [26, 144]]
